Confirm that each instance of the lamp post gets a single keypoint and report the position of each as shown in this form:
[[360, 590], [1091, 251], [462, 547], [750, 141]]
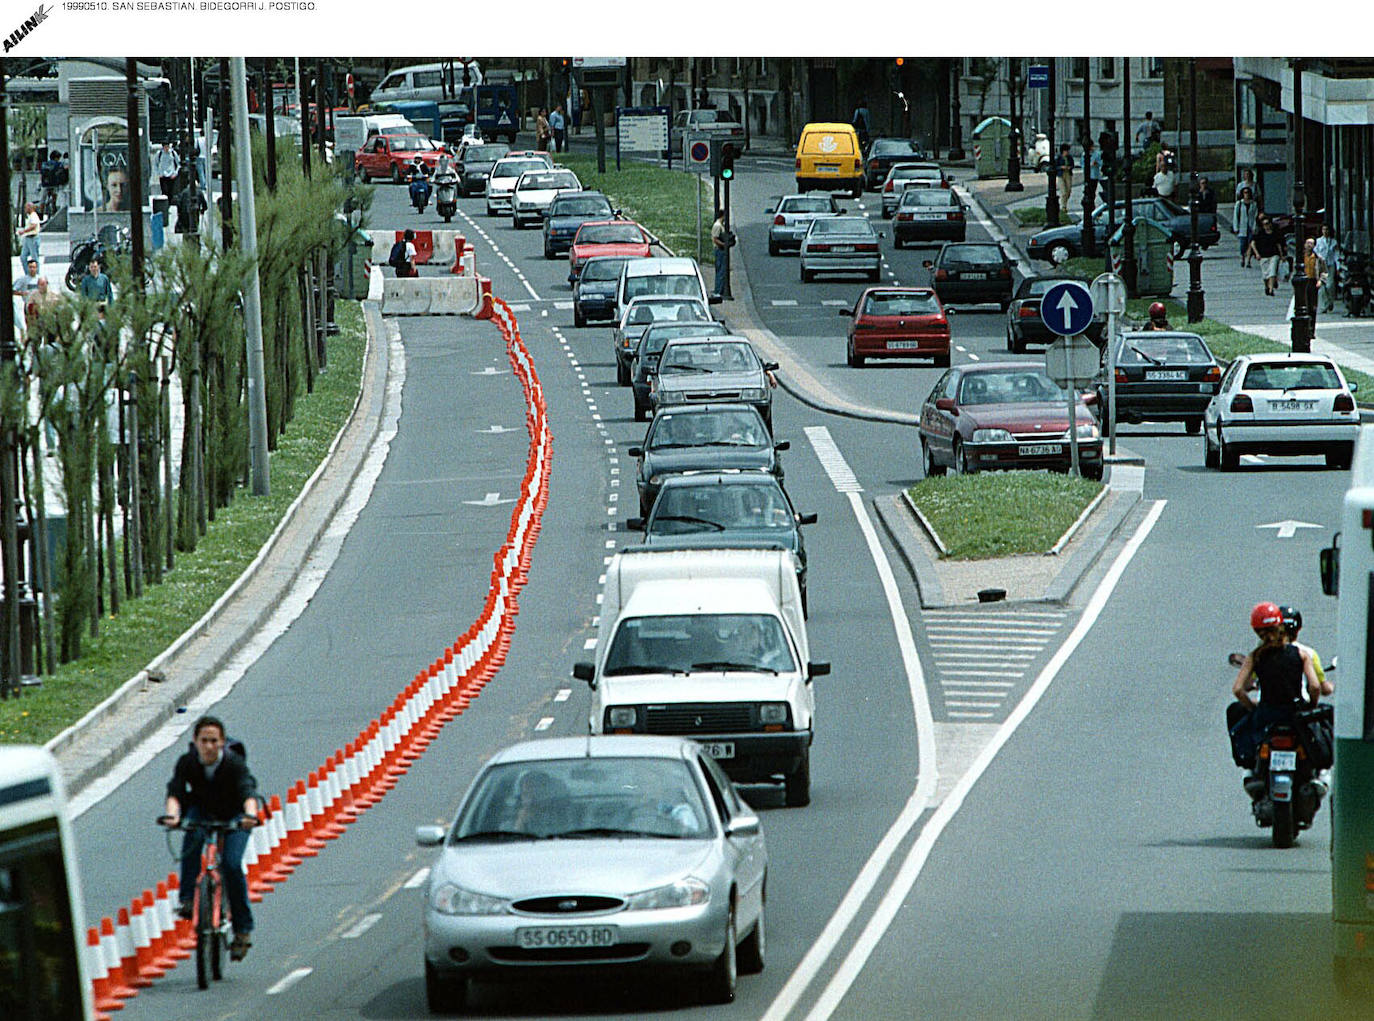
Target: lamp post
[[1089, 184], [1304, 309], [1052, 169], [1128, 263], [1197, 300], [956, 128], [1014, 159]]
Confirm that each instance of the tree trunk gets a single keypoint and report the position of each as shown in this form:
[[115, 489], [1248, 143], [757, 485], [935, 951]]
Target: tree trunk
[[42, 574]]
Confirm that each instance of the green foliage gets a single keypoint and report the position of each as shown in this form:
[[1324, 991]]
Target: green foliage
[[998, 514]]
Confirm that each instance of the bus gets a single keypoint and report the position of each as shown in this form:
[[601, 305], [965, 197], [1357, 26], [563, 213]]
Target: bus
[[42, 937]]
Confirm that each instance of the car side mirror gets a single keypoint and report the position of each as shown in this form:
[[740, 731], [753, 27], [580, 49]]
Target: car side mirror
[[585, 672], [1352, 386], [770, 366], [429, 836], [849, 312], [635, 451], [714, 299], [946, 404], [783, 445], [928, 264], [1329, 562], [817, 669], [743, 826], [806, 519], [769, 211], [635, 524]]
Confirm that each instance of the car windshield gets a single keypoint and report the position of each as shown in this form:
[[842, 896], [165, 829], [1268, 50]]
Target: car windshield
[[970, 255], [489, 153], [734, 428], [591, 205], [644, 312], [586, 797], [1292, 376], [927, 197], [684, 510], [683, 643], [610, 234], [893, 147], [548, 182], [709, 357], [807, 204], [515, 168], [927, 173], [899, 303], [602, 269], [1012, 387], [1169, 349], [657, 337], [841, 225], [412, 143], [674, 283], [705, 116]]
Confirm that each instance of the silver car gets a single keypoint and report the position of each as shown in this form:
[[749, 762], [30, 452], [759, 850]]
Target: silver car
[[840, 244], [534, 192], [909, 175], [621, 852], [792, 214], [713, 370], [640, 314], [504, 173]]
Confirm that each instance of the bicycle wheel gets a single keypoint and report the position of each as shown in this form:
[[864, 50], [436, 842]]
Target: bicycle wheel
[[205, 929], [217, 937]]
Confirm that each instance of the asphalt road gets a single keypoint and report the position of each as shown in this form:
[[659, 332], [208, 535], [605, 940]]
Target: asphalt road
[[1104, 864]]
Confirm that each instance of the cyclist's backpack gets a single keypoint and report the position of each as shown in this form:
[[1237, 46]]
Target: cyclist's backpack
[[397, 258]]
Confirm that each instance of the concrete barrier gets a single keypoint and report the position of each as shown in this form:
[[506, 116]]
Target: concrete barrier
[[405, 297], [374, 283], [452, 296]]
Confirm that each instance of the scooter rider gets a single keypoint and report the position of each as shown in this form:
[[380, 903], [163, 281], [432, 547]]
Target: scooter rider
[[419, 184], [1292, 623], [1159, 317]]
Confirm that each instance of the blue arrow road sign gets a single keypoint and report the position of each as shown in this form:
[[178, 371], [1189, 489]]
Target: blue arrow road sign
[[1038, 76], [1067, 308]]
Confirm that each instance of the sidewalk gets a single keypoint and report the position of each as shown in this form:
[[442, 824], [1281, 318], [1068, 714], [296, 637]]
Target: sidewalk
[[1234, 296]]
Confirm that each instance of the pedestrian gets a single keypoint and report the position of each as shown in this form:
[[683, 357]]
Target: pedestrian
[[1166, 174], [1267, 247], [28, 234], [1244, 217], [1313, 264], [862, 122], [28, 283], [402, 257], [1063, 173], [1092, 156], [38, 302], [557, 127], [167, 164], [1206, 200], [1328, 249], [1247, 180], [721, 240], [1148, 131], [95, 285], [541, 131]]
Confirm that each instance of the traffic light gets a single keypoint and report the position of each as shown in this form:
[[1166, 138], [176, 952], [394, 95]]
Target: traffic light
[[727, 161], [898, 62]]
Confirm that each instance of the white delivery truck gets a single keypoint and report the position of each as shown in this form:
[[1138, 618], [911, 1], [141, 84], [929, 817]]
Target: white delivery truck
[[709, 644]]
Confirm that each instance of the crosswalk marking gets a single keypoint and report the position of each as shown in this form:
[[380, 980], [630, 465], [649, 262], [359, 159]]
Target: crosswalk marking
[[980, 656], [832, 460]]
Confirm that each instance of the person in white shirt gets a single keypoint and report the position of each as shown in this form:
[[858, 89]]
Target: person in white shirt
[[1328, 249], [167, 165], [28, 234]]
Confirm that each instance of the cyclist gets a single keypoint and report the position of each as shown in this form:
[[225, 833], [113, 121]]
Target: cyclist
[[212, 783]]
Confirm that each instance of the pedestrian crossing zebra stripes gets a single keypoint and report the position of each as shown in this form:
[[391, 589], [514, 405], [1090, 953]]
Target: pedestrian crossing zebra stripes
[[982, 657]]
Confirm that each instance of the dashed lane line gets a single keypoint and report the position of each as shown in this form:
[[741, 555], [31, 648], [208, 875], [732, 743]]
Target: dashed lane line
[[283, 984]]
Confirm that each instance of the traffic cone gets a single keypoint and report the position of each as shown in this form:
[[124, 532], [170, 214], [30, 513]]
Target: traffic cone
[[169, 948], [313, 809], [100, 975], [185, 934], [109, 949], [128, 954], [148, 968]]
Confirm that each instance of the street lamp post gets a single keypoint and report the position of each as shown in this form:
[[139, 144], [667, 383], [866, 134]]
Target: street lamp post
[[956, 128], [1089, 190], [1197, 300], [1128, 262], [1052, 169], [1304, 309], [1014, 159]]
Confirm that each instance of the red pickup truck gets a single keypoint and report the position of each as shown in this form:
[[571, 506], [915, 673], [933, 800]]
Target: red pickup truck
[[388, 156]]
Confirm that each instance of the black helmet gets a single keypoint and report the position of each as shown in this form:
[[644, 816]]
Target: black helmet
[[1292, 620]]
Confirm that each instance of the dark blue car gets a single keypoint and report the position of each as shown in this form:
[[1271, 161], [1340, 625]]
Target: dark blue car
[[567, 213], [1056, 244], [594, 292]]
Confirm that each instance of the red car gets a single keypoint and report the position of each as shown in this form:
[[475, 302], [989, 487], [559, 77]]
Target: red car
[[623, 238], [897, 322], [389, 155]]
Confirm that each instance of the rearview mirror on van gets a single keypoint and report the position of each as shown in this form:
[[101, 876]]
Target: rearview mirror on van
[[806, 519], [782, 445], [635, 524], [817, 669], [585, 672], [635, 451], [714, 299]]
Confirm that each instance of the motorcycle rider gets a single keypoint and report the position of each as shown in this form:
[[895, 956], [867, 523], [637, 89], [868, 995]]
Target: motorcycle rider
[[1159, 317], [1292, 623], [419, 184]]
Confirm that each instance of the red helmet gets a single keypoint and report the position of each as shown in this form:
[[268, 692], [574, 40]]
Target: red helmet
[[1157, 310], [1266, 615]]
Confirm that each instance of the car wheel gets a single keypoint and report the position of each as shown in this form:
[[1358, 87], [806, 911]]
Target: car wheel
[[719, 986], [548, 252], [941, 361], [806, 275], [858, 191], [1229, 459], [1014, 345], [772, 248], [753, 951], [641, 411], [1341, 456], [960, 465], [1059, 253], [515, 222], [852, 359], [444, 995], [622, 373], [1093, 473], [1192, 426], [395, 174], [928, 461], [887, 213], [1210, 458], [797, 785], [897, 242], [579, 320], [874, 275]]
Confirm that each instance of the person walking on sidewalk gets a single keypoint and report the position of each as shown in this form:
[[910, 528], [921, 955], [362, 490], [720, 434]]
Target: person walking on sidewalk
[[167, 165], [1267, 247], [1244, 217], [28, 234], [1092, 177], [1328, 249], [557, 126], [1063, 173], [721, 240], [541, 131], [1247, 180]]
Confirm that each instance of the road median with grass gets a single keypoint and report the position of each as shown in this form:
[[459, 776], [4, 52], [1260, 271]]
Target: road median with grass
[[662, 201], [1002, 514]]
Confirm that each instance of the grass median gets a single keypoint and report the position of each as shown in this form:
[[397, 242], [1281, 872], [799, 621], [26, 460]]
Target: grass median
[[1000, 514], [660, 200], [147, 626]]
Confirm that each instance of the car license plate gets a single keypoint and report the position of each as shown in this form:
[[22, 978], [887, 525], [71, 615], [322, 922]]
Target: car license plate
[[1357, 290], [828, 170], [842, 248], [1037, 449], [903, 345], [1167, 375], [927, 216], [546, 937], [719, 749], [973, 276], [1294, 405], [1283, 760]]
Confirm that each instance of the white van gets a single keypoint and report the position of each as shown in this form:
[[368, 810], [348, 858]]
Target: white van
[[351, 132], [425, 82], [709, 644], [666, 275]]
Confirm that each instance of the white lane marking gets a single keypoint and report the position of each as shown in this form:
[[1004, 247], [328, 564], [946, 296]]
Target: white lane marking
[[999, 616], [364, 923], [565, 693], [976, 684], [974, 357], [835, 303], [290, 980], [926, 777], [416, 880], [1005, 629], [979, 657], [590, 643], [973, 705], [832, 460], [784, 303], [983, 673], [544, 724], [562, 306], [969, 716], [981, 643], [915, 861], [526, 308]]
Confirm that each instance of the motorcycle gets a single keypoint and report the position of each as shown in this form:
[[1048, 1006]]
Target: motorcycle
[[446, 194], [1354, 284], [419, 192], [110, 240]]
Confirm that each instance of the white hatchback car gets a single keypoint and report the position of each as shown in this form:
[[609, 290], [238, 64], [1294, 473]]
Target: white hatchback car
[[505, 172], [1281, 404], [534, 192]]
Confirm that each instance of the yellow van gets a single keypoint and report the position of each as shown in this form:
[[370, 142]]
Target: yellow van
[[829, 159]]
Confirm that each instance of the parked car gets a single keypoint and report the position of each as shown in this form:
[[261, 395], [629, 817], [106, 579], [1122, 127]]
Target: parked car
[[474, 163], [1056, 244], [1025, 324], [902, 176], [840, 244], [595, 852], [505, 172], [972, 273], [534, 191], [569, 212], [716, 124], [1281, 404], [607, 237], [713, 370], [734, 508], [792, 215], [993, 415], [651, 344], [928, 215], [640, 314], [703, 437], [1161, 376], [594, 292], [882, 153], [897, 322], [389, 155]]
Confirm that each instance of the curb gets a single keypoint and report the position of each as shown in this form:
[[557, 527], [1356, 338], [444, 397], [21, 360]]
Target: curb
[[918, 564], [925, 524], [365, 415]]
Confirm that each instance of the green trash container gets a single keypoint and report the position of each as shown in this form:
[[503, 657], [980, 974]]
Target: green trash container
[[992, 147], [1154, 253], [354, 285]]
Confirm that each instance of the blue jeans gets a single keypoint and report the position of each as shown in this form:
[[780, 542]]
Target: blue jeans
[[28, 249], [722, 269], [231, 849]]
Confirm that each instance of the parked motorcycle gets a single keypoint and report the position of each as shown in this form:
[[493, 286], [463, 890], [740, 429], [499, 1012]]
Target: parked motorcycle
[[1355, 283], [112, 239], [446, 194]]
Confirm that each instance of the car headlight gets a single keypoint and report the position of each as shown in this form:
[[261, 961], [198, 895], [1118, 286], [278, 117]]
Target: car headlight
[[753, 393], [1087, 432], [657, 480], [992, 436], [681, 894], [670, 396], [454, 900], [621, 716], [773, 712]]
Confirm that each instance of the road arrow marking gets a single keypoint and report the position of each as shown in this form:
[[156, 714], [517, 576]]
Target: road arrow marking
[[1068, 306], [490, 500], [1288, 529]]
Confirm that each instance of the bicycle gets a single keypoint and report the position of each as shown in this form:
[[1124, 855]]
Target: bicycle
[[209, 918]]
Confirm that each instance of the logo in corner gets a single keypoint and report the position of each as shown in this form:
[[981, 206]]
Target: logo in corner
[[30, 23]]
